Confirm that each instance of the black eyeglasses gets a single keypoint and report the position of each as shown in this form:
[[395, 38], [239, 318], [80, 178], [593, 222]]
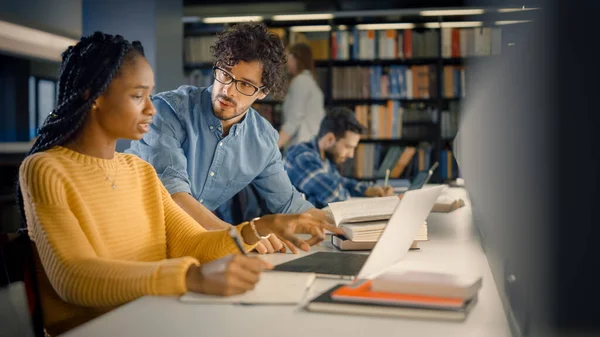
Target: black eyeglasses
[[243, 87]]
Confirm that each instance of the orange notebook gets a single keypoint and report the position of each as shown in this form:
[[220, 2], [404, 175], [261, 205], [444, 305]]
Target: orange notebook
[[361, 292]]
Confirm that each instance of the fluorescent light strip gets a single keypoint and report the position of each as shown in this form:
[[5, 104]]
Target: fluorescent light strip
[[318, 28], [342, 27], [449, 12], [32, 42], [382, 26], [509, 10], [455, 24], [511, 22], [228, 19], [302, 17]]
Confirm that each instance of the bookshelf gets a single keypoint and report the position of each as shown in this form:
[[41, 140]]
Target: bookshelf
[[352, 64]]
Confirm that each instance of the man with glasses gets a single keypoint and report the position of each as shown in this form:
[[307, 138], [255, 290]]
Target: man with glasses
[[207, 144]]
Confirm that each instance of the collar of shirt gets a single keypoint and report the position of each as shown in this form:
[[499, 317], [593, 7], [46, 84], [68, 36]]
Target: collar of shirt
[[212, 122], [314, 144]]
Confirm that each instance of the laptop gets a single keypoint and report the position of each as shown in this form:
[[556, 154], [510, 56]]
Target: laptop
[[422, 178], [392, 246]]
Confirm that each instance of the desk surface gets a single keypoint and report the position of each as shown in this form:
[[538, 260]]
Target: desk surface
[[453, 246]]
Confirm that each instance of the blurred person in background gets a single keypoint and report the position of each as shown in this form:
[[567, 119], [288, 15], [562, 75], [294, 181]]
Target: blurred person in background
[[312, 166], [303, 104]]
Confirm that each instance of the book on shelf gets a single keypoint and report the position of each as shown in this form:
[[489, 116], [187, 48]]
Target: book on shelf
[[397, 82], [449, 120], [393, 121], [467, 42], [448, 166], [358, 44], [370, 161], [386, 82]]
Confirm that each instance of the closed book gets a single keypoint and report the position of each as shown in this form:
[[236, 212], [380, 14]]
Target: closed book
[[324, 303], [361, 291], [427, 284], [344, 244]]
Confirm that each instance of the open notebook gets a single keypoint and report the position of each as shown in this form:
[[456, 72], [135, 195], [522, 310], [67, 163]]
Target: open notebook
[[273, 288]]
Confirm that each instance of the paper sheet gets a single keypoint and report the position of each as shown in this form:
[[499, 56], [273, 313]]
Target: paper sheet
[[273, 288]]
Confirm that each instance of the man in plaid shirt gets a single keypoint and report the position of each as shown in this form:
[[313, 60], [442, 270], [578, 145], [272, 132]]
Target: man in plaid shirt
[[312, 169]]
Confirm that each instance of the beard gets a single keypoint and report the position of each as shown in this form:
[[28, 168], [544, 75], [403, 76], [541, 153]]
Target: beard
[[221, 113], [332, 157]]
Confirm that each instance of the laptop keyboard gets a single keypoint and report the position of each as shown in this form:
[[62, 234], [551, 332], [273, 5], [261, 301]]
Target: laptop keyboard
[[345, 264]]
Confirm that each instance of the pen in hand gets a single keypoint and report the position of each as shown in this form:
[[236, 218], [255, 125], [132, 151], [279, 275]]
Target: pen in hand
[[233, 233], [387, 177]]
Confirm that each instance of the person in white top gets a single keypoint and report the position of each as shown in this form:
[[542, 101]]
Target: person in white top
[[303, 105]]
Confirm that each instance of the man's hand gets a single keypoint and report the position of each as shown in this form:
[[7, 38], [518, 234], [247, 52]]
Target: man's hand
[[286, 225], [231, 275], [379, 191]]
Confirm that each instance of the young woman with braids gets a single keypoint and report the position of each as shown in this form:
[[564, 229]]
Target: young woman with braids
[[105, 229]]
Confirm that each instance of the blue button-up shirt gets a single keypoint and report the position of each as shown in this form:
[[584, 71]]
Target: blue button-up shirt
[[186, 147], [319, 179]]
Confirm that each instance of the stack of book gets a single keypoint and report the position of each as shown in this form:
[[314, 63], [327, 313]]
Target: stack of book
[[363, 220], [371, 230], [413, 294]]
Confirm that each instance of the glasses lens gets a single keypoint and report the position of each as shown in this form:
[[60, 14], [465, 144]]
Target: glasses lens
[[222, 76], [245, 88]]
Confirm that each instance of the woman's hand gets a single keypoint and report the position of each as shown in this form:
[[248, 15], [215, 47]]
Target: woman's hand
[[231, 275]]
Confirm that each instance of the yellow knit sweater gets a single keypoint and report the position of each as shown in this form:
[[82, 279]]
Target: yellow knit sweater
[[102, 247]]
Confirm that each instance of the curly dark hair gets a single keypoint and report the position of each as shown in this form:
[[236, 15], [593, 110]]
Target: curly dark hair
[[251, 41]]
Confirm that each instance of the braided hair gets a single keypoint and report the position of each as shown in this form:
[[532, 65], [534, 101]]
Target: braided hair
[[86, 71]]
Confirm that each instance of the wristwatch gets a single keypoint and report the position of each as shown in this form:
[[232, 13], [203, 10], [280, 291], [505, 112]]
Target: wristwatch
[[253, 226]]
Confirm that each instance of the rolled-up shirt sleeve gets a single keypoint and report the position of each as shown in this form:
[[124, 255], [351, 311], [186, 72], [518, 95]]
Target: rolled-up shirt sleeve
[[275, 187], [162, 147]]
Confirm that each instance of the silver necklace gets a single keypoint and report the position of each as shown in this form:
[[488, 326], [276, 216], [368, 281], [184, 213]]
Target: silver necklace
[[113, 180]]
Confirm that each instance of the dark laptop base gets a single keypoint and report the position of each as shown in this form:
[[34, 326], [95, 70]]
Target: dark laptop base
[[343, 265]]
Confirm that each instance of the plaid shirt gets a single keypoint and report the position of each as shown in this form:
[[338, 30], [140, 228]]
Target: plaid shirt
[[318, 179]]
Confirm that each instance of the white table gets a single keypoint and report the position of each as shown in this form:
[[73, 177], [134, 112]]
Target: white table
[[453, 246]]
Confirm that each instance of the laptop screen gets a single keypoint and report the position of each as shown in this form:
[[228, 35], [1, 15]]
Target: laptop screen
[[398, 235]]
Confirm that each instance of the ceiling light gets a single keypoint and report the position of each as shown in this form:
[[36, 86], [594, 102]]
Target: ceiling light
[[454, 24], [319, 28], [511, 22], [382, 26], [448, 12], [302, 17], [509, 10], [228, 19]]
